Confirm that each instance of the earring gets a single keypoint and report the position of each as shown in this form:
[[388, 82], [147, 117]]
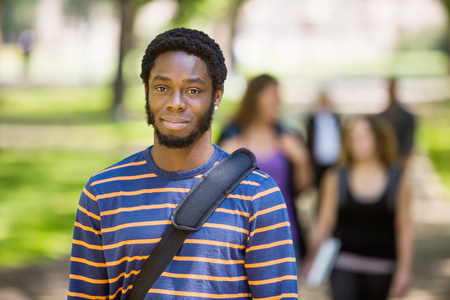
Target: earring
[[215, 107]]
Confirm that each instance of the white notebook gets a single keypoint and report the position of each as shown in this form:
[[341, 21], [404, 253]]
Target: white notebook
[[323, 262]]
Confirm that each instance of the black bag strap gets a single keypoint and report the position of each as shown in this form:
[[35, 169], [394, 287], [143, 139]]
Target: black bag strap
[[192, 212]]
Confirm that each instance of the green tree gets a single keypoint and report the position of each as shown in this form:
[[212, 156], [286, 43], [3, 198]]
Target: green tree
[[227, 10], [188, 9], [126, 13], [2, 13], [15, 16]]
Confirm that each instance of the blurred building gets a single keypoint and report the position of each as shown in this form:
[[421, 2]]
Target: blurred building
[[329, 31], [301, 41]]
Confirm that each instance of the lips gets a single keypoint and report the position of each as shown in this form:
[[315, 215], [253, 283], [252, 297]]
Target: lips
[[174, 123]]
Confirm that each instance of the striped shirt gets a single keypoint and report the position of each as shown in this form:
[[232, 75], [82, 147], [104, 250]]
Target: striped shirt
[[243, 251]]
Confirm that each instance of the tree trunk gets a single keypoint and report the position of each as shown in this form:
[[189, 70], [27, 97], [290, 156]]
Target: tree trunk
[[447, 43], [2, 10], [234, 14], [446, 7], [128, 10]]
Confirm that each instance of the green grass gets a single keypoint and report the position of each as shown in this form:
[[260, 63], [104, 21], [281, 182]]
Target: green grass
[[437, 142], [40, 186], [40, 191], [434, 137], [55, 105]]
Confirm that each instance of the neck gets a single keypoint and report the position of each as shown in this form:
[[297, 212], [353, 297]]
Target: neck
[[393, 103], [259, 131], [260, 138], [183, 159], [369, 162], [260, 124]]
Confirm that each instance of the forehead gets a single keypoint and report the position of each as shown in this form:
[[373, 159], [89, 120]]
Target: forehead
[[271, 87], [360, 125], [180, 65]]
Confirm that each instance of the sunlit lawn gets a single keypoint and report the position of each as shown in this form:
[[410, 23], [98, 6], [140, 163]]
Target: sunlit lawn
[[434, 137], [39, 192], [40, 186], [55, 105]]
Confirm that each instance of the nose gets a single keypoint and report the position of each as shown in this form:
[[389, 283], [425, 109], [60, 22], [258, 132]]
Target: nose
[[176, 102]]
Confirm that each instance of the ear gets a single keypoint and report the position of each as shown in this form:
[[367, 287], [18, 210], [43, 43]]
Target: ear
[[218, 96]]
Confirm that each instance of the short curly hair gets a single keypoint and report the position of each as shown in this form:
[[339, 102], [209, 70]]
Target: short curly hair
[[193, 42]]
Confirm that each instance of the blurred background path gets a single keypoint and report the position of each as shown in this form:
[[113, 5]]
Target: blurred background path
[[431, 280]]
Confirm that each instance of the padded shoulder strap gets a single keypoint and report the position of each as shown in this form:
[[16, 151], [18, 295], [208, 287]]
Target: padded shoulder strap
[[192, 212], [217, 183]]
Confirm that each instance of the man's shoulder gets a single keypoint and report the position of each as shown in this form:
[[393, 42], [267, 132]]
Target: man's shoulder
[[257, 182], [127, 165]]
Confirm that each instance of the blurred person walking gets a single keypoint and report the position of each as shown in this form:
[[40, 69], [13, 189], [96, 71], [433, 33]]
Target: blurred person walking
[[244, 250], [25, 43], [403, 122], [323, 136], [279, 152], [365, 203]]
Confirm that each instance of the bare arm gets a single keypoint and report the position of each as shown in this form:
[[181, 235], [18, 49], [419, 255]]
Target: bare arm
[[327, 216], [298, 155], [404, 242]]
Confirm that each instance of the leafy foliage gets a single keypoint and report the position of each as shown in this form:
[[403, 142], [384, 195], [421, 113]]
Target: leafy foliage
[[18, 15], [205, 9]]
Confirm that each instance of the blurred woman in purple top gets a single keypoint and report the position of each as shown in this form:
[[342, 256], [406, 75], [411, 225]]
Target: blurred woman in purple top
[[279, 152]]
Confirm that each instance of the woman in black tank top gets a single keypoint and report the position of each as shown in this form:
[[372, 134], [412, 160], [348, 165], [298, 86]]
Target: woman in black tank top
[[365, 203]]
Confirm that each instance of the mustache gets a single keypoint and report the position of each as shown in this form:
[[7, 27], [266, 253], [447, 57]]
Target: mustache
[[172, 141]]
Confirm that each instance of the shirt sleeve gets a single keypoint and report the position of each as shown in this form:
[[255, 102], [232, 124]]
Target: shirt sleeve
[[88, 276], [269, 258]]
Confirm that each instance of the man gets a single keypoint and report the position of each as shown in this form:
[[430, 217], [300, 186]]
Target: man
[[324, 137], [243, 251], [402, 121]]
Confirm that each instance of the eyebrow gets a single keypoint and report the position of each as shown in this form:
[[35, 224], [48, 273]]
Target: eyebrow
[[162, 78], [194, 80], [189, 80]]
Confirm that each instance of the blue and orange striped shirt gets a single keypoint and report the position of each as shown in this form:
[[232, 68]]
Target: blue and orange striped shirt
[[243, 251]]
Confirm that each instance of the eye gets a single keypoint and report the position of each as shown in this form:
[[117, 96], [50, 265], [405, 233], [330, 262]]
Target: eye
[[161, 89], [193, 91]]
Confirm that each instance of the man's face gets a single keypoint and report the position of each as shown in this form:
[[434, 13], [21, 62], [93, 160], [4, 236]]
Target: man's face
[[180, 99]]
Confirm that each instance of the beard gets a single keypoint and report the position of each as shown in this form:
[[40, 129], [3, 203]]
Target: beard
[[173, 141]]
